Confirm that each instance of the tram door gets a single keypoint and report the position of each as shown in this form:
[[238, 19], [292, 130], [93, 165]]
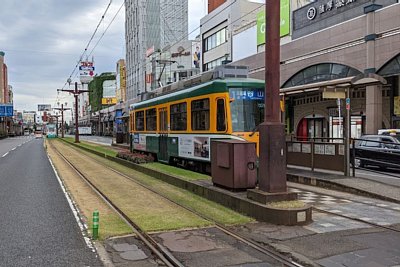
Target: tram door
[[163, 138]]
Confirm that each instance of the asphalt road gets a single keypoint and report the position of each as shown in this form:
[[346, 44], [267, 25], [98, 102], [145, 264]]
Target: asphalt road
[[37, 225]]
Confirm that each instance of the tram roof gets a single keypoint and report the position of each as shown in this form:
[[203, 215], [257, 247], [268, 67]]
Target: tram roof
[[211, 87]]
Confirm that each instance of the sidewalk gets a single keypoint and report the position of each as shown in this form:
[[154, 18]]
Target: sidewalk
[[357, 185]]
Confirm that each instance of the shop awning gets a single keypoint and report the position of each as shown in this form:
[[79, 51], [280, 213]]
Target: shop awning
[[353, 82]]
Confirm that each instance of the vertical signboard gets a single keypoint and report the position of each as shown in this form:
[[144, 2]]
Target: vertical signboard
[[86, 71], [284, 24]]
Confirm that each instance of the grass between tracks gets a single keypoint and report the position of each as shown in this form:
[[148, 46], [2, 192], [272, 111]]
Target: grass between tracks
[[99, 148], [181, 173], [147, 209], [87, 201], [210, 209]]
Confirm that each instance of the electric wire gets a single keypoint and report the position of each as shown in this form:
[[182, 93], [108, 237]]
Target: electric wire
[[87, 46], [108, 26]]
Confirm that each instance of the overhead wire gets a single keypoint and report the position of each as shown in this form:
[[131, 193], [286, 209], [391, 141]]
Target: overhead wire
[[87, 45], [108, 26], [89, 42]]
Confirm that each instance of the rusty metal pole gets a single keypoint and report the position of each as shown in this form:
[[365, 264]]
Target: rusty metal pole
[[272, 176], [62, 121], [76, 93]]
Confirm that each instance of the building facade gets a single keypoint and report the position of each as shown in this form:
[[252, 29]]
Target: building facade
[[354, 48], [150, 25], [217, 28]]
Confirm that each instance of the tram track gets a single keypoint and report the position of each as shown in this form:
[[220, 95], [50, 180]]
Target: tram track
[[160, 251], [357, 220], [350, 217]]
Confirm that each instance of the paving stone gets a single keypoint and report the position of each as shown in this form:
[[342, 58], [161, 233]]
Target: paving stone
[[133, 255], [124, 247]]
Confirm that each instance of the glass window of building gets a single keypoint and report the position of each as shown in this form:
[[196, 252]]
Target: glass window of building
[[215, 40]]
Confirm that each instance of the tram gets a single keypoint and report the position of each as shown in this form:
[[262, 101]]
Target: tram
[[178, 125], [51, 131]]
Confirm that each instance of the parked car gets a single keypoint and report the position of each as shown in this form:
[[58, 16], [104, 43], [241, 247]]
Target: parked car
[[391, 132], [382, 151]]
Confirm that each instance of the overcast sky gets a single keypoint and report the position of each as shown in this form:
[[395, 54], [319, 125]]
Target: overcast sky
[[43, 40]]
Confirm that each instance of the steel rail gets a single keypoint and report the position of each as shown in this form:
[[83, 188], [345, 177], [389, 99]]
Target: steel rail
[[265, 250], [160, 251], [357, 219]]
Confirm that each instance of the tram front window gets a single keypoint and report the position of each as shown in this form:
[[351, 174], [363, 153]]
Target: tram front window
[[247, 108]]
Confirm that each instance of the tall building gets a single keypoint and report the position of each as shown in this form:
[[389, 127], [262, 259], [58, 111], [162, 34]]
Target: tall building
[[150, 26], [3, 80]]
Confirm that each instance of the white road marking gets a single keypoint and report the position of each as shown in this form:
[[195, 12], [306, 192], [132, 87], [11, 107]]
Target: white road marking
[[13, 149], [88, 242], [5, 155]]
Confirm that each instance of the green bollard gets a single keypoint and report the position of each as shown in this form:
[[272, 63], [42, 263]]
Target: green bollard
[[95, 224]]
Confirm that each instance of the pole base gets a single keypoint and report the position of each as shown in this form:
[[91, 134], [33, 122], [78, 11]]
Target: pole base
[[265, 197], [272, 164]]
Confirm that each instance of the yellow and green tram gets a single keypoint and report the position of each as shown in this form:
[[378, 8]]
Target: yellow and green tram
[[178, 127]]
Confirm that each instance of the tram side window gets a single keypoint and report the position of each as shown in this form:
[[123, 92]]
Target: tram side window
[[151, 119], [221, 119], [139, 120], [178, 117], [201, 114]]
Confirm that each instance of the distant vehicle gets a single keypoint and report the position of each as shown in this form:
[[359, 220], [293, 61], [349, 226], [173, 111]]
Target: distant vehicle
[[26, 132], [85, 130], [382, 151], [391, 132], [51, 131], [38, 134]]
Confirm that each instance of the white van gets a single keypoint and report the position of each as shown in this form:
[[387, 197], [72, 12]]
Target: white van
[[26, 132]]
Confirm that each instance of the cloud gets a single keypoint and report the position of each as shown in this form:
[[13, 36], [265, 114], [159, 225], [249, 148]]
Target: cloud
[[43, 41]]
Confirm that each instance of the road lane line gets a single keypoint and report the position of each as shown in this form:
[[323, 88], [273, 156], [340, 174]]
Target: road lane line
[[13, 149], [81, 225], [5, 155]]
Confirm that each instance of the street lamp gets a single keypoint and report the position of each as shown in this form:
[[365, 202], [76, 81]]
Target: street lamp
[[76, 93]]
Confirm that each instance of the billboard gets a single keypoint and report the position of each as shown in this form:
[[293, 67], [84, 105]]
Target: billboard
[[44, 107], [285, 22], [121, 81], [109, 101], [86, 71], [6, 110]]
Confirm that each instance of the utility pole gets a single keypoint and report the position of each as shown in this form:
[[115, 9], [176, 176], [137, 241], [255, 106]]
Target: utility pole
[[272, 178], [56, 116], [76, 93], [62, 118]]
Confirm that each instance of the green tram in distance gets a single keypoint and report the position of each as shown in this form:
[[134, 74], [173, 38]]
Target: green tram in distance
[[51, 131], [177, 127]]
